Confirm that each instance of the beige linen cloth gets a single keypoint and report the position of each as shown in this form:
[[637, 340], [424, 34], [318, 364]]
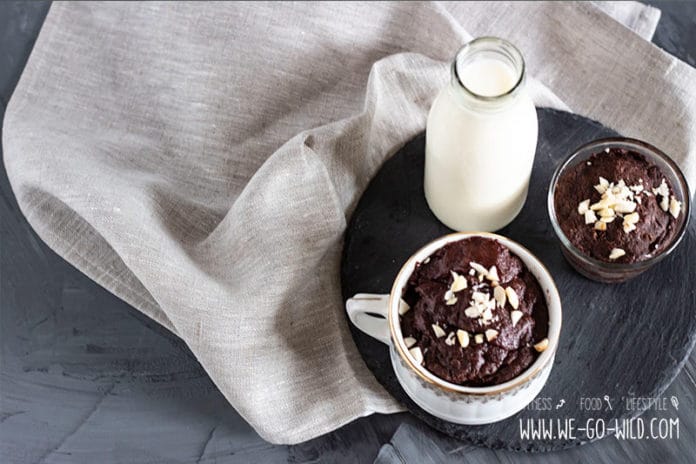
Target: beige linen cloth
[[200, 160]]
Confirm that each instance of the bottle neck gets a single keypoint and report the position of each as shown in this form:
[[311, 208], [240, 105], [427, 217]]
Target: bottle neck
[[487, 74]]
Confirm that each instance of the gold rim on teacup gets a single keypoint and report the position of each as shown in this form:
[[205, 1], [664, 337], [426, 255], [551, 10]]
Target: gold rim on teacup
[[539, 364]]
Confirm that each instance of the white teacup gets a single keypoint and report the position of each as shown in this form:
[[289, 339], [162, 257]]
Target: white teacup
[[378, 316]]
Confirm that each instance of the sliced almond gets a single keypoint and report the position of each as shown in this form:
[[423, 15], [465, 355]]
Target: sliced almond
[[449, 341], [478, 268], [500, 296], [599, 225], [590, 217], [602, 186], [417, 355], [458, 282], [403, 307], [516, 316], [630, 221], [512, 297], [664, 203], [662, 189], [472, 311], [478, 338], [409, 342], [616, 253], [439, 333], [487, 315], [663, 192], [674, 207], [493, 274], [472, 272], [584, 206], [542, 345], [480, 297], [632, 218], [602, 204], [491, 334], [628, 227], [607, 220], [450, 299], [463, 337], [624, 207], [606, 212]]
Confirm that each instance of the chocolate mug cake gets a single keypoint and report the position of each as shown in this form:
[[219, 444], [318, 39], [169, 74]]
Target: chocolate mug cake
[[617, 206], [472, 322], [474, 314]]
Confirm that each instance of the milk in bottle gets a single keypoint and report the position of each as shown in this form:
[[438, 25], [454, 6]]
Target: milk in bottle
[[480, 139]]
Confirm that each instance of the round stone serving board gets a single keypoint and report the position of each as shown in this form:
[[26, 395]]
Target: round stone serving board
[[622, 340]]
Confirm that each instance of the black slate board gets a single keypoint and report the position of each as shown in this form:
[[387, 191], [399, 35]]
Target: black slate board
[[623, 340]]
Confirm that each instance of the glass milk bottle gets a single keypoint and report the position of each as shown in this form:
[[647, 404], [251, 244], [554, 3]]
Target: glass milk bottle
[[480, 139]]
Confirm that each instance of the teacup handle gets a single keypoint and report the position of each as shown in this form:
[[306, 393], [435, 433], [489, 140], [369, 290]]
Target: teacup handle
[[368, 312]]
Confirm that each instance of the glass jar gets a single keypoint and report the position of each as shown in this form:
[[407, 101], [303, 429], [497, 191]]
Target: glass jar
[[608, 272], [480, 139]]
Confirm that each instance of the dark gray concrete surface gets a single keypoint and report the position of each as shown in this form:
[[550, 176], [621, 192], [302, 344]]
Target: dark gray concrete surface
[[86, 378]]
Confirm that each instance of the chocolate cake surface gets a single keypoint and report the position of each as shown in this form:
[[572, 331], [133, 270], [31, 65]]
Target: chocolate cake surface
[[456, 322], [630, 195]]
